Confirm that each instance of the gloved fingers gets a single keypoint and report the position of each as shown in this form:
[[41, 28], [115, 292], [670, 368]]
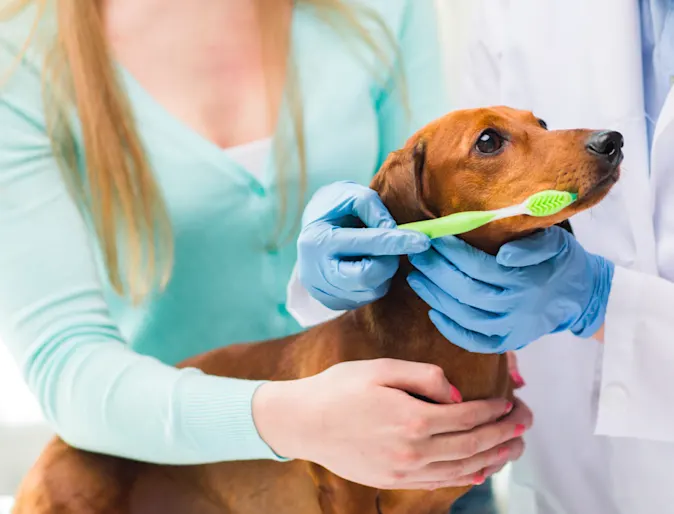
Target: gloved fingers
[[356, 242], [365, 273], [329, 300], [360, 298], [462, 287], [473, 262], [466, 339], [330, 202], [339, 300], [367, 205], [468, 317], [346, 198], [535, 249]]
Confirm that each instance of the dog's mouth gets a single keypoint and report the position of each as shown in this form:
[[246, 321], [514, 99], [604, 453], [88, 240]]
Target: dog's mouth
[[601, 186]]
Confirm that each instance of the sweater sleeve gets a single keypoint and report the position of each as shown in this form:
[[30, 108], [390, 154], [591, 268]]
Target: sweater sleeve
[[96, 393], [636, 396]]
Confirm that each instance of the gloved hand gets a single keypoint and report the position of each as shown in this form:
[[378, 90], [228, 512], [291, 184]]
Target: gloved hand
[[535, 286], [344, 267]]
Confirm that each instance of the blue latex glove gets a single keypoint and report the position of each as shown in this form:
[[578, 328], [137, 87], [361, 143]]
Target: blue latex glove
[[535, 286], [344, 267]]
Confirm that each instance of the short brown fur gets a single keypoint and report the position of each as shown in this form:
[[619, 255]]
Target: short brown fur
[[438, 172]]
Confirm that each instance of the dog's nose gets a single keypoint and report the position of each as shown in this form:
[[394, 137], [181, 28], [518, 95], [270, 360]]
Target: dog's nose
[[607, 145]]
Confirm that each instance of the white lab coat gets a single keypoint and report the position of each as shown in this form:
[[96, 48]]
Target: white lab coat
[[603, 438]]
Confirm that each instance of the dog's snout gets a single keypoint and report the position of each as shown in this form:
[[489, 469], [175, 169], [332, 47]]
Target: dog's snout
[[606, 145]]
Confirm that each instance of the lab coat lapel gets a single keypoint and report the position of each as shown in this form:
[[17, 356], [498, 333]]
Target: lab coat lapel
[[662, 186], [663, 131]]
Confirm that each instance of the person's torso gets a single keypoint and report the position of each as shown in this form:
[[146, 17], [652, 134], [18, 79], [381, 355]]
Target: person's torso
[[220, 68], [232, 264]]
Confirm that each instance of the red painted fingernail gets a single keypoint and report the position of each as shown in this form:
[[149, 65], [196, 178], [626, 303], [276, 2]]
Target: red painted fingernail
[[479, 479], [509, 408], [503, 453], [519, 430], [517, 379], [455, 395]]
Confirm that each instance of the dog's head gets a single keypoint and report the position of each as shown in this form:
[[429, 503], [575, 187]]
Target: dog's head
[[486, 159]]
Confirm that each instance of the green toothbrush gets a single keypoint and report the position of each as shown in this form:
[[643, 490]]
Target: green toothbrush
[[543, 203]]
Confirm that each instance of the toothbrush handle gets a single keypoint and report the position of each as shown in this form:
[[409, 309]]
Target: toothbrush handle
[[458, 223]]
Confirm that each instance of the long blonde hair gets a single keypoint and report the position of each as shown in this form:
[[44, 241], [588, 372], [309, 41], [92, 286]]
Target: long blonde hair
[[118, 190]]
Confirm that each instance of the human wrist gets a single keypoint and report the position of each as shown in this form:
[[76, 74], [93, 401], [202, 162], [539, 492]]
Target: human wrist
[[279, 417], [592, 318]]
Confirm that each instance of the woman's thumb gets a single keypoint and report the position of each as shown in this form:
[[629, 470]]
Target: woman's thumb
[[424, 381]]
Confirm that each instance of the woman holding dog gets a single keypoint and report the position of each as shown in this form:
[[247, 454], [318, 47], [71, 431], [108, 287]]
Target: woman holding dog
[[153, 158]]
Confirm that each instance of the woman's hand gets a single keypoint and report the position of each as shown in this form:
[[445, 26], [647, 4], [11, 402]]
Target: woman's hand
[[344, 267], [534, 286], [514, 371], [358, 420]]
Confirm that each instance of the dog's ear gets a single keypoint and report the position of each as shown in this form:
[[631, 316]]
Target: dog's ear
[[400, 184]]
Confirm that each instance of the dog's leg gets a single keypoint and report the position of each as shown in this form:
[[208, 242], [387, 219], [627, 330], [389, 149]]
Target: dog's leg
[[339, 496], [65, 480]]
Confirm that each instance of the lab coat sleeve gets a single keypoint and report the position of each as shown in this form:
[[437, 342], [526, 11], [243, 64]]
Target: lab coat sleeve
[[637, 397], [402, 109], [95, 392], [306, 310]]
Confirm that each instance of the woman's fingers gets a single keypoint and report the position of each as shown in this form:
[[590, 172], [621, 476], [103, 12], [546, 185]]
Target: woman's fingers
[[445, 419], [448, 474], [514, 371], [490, 472], [515, 455], [432, 486], [447, 447], [452, 470], [475, 469], [420, 379]]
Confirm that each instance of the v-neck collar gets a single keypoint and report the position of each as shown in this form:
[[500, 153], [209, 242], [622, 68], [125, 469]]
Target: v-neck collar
[[162, 120], [147, 105]]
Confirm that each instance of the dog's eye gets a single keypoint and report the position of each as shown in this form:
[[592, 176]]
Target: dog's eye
[[489, 142], [543, 124]]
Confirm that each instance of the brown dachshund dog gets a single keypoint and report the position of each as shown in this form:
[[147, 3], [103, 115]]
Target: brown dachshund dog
[[468, 160]]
